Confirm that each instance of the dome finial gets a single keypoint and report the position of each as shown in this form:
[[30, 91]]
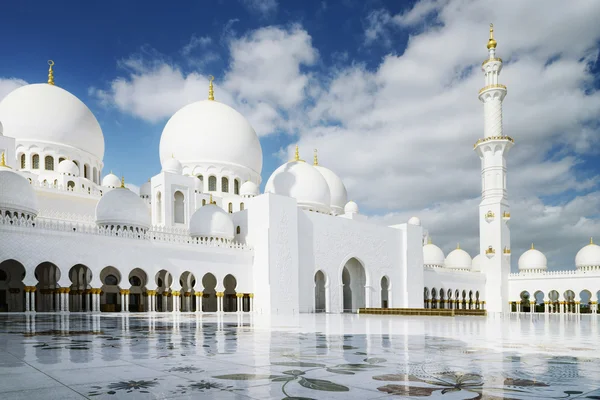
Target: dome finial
[[210, 200], [122, 182], [211, 90], [297, 154], [50, 72], [3, 161], [591, 239], [532, 248], [457, 246], [491, 43], [315, 158], [429, 240]]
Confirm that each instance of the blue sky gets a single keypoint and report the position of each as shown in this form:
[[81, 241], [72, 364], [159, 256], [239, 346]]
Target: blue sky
[[386, 90]]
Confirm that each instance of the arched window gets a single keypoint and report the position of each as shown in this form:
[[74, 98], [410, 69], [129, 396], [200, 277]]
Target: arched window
[[61, 159], [224, 185], [35, 161], [3, 275], [230, 208], [238, 230], [76, 163], [203, 202], [178, 208], [201, 180], [111, 280], [236, 186], [159, 208], [95, 174], [49, 163], [71, 185], [135, 281], [23, 158], [86, 171], [241, 206], [212, 183]]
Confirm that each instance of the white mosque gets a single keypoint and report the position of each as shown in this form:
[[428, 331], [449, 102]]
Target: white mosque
[[200, 237]]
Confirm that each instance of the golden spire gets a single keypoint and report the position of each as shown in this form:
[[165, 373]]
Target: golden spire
[[122, 182], [50, 73], [315, 158], [429, 240], [532, 246], [591, 239], [457, 246], [211, 90], [3, 161], [210, 200], [491, 43], [297, 154]]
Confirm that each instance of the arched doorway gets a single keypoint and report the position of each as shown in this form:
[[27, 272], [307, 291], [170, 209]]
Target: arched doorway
[[450, 300], [187, 282], [110, 301], [209, 297], [385, 288], [320, 300], [442, 299], [354, 280], [80, 276], [569, 301], [539, 305], [525, 306], [229, 295], [12, 294], [47, 299], [585, 297], [137, 287], [434, 298], [553, 295], [164, 280], [425, 298]]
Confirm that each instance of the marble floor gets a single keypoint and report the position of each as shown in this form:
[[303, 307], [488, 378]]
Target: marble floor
[[307, 356]]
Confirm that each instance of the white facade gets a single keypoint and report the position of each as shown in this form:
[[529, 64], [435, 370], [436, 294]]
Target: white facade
[[200, 237]]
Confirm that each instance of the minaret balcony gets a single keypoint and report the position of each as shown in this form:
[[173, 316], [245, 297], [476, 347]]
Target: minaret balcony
[[506, 252], [506, 215], [489, 216], [487, 139], [496, 59], [490, 252], [496, 86]]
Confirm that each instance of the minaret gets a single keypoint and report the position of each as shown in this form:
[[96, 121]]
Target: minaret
[[494, 211]]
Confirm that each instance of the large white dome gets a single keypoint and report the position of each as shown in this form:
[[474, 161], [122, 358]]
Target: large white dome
[[337, 190], [433, 255], [211, 221], [16, 193], [208, 131], [533, 259], [123, 207], [49, 114], [458, 259], [303, 182], [588, 256]]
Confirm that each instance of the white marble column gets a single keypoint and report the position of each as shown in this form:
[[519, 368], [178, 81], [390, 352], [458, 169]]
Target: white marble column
[[251, 302], [26, 298], [32, 304]]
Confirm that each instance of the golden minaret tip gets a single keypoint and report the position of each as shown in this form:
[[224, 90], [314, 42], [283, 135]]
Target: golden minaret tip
[[457, 246], [532, 246], [591, 239], [211, 90], [491, 43], [50, 72], [3, 160], [429, 240], [315, 158], [122, 182]]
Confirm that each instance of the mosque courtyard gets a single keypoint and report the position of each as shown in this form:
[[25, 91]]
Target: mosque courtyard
[[306, 356]]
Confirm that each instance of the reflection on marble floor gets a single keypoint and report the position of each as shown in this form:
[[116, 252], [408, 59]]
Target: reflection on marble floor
[[298, 357]]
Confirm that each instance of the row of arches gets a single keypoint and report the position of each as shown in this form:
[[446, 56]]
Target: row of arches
[[441, 298], [135, 292], [567, 302], [226, 186], [355, 292], [50, 163]]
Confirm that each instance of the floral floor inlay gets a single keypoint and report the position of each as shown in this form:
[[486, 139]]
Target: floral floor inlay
[[164, 356]]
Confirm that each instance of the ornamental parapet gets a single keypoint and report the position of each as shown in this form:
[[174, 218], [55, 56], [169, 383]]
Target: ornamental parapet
[[487, 139], [595, 272], [495, 86]]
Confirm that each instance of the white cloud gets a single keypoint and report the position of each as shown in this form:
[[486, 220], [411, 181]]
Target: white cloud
[[263, 8], [401, 135], [7, 85]]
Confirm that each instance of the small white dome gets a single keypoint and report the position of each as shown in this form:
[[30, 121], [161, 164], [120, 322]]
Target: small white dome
[[588, 256], [211, 221], [477, 263], [351, 208], [337, 190], [111, 181], [50, 114], [146, 189], [458, 259], [16, 193], [68, 167], [433, 255], [533, 259], [414, 221], [303, 182], [249, 189], [172, 165], [207, 131], [123, 207]]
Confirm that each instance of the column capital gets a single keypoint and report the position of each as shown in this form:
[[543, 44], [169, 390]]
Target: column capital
[[199, 294], [251, 295], [239, 295], [220, 294]]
